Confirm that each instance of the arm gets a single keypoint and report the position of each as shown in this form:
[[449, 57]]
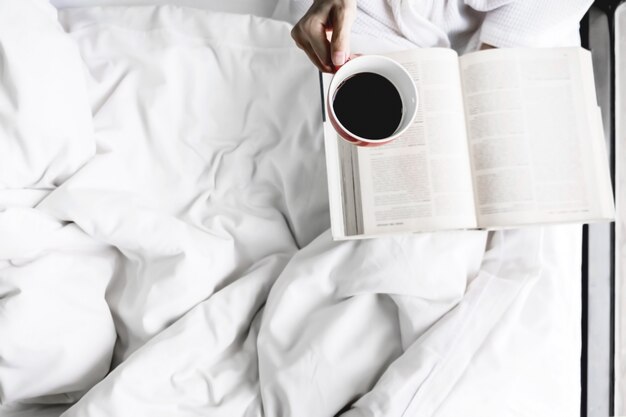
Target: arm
[[530, 23]]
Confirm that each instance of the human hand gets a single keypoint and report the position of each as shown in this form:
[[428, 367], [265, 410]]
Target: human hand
[[310, 33]]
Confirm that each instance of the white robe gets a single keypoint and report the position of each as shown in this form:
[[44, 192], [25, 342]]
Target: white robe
[[461, 24]]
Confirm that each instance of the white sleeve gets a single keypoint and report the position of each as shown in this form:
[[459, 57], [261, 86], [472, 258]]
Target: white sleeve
[[530, 23]]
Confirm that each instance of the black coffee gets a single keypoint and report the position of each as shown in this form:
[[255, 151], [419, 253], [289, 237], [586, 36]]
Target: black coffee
[[368, 105]]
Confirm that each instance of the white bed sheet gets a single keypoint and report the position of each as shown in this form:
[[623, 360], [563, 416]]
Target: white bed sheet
[[184, 237]]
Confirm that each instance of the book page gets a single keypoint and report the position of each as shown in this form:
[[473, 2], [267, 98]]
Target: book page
[[334, 170], [350, 190], [422, 180], [532, 129], [342, 175]]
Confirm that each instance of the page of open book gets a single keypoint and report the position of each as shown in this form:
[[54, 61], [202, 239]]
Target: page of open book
[[533, 137], [422, 180]]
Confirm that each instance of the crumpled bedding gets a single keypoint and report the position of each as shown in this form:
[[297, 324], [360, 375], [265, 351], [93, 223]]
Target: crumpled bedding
[[164, 244]]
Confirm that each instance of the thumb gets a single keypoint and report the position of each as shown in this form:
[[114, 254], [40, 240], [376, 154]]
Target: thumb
[[340, 40]]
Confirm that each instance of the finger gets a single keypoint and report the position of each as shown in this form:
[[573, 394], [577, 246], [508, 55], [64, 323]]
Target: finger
[[315, 59], [315, 32], [304, 44], [303, 33], [296, 35], [310, 35], [313, 28], [341, 20]]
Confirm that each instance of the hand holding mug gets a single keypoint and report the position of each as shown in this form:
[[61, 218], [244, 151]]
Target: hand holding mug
[[310, 33]]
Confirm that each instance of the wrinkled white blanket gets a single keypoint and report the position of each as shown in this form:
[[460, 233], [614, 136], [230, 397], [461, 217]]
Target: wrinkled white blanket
[[169, 255]]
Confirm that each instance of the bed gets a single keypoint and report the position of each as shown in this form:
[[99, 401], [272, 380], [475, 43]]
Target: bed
[[164, 242]]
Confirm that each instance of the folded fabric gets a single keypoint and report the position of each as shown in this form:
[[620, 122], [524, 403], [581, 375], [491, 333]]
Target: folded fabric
[[57, 333], [46, 130]]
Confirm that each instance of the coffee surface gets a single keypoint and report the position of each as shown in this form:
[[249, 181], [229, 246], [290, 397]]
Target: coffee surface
[[368, 105]]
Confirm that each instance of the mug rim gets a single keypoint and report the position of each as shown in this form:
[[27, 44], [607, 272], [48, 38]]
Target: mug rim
[[354, 138]]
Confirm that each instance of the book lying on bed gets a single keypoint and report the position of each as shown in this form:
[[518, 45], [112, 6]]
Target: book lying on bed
[[502, 138]]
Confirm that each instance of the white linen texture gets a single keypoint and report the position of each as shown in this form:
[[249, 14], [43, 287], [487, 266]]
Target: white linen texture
[[164, 244]]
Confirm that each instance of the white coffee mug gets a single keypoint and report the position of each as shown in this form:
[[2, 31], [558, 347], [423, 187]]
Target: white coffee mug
[[392, 71]]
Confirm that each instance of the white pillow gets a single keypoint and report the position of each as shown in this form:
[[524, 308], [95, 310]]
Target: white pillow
[[263, 8], [46, 130]]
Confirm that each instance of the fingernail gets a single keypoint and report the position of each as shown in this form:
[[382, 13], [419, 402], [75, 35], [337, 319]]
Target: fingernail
[[339, 58]]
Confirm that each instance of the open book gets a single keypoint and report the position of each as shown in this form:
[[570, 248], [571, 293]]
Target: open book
[[503, 138]]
